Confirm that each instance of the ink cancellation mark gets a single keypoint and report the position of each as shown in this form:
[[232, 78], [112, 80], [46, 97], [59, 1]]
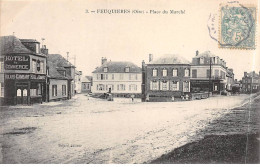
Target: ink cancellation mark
[[237, 26]]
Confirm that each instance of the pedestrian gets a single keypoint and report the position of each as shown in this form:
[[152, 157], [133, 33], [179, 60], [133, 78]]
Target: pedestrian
[[172, 98], [147, 98], [132, 96], [87, 96]]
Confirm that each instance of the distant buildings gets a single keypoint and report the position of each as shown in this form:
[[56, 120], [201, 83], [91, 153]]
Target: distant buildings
[[78, 76], [120, 78], [251, 82], [209, 73], [86, 84], [166, 78]]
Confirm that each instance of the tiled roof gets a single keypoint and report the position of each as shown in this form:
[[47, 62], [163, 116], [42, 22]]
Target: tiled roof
[[118, 67], [11, 44], [54, 73], [59, 60], [29, 40], [86, 79], [170, 59]]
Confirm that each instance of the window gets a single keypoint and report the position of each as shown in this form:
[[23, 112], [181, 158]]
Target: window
[[164, 72], [63, 90], [41, 67], [33, 65], [154, 85], [101, 76], [186, 86], [186, 72], [105, 69], [100, 87], [2, 65], [121, 76], [194, 73], [175, 86], [208, 73], [132, 76], [175, 72], [216, 73], [121, 87], [39, 90], [155, 72], [202, 60], [111, 87], [113, 76], [164, 85], [127, 69], [88, 86], [2, 92], [33, 92], [132, 87], [54, 90], [84, 86]]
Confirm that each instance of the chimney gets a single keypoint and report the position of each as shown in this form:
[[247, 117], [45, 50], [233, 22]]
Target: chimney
[[103, 60], [245, 74], [44, 50], [197, 52], [150, 57], [253, 73]]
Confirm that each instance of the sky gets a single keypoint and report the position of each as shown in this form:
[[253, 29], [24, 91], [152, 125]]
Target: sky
[[66, 27]]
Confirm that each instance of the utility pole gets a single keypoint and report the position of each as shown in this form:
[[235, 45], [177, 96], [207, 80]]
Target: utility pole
[[75, 60], [68, 56], [209, 75]]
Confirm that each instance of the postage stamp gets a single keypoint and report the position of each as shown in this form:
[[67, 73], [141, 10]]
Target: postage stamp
[[237, 26]]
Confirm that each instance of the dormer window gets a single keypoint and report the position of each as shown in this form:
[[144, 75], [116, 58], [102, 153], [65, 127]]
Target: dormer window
[[105, 69], [202, 60], [127, 69]]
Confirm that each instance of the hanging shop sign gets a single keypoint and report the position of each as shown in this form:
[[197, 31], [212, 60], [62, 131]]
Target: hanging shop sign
[[17, 62]]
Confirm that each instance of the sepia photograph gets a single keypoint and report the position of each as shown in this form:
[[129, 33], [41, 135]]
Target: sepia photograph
[[129, 82]]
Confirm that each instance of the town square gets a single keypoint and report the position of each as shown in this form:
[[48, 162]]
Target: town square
[[129, 83]]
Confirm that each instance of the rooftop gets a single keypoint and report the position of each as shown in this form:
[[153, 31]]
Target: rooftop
[[59, 60], [118, 67], [170, 59], [11, 44]]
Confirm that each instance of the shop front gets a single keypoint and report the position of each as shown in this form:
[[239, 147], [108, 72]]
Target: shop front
[[25, 89]]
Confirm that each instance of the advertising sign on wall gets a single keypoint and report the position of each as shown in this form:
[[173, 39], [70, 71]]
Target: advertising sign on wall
[[17, 62]]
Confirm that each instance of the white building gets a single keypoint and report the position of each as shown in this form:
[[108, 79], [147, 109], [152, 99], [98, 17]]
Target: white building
[[119, 78]]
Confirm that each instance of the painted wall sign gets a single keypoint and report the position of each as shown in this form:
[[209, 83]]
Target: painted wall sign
[[17, 62], [25, 76]]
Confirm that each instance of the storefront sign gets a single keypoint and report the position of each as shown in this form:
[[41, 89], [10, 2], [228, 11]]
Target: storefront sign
[[25, 76], [40, 77], [17, 62]]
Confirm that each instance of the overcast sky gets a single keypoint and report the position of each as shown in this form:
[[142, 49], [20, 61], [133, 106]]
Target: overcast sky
[[122, 37]]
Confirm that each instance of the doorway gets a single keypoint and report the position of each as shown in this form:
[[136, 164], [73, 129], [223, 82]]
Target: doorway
[[22, 93]]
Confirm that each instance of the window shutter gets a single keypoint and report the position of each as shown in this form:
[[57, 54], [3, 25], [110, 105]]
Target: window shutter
[[151, 85], [178, 85], [189, 86], [129, 87], [167, 83], [160, 85], [117, 87]]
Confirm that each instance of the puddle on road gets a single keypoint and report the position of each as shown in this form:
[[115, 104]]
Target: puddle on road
[[21, 131]]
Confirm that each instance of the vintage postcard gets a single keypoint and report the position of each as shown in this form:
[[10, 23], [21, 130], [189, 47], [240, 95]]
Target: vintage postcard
[[129, 82]]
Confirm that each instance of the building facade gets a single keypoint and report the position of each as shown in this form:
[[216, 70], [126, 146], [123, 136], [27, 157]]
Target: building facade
[[166, 78], [86, 84], [60, 69], [23, 71], [210, 74], [78, 78], [119, 78], [251, 82]]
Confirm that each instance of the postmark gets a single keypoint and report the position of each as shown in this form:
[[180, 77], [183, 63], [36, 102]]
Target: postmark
[[237, 28]]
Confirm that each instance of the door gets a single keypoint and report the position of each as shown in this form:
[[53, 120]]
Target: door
[[22, 94]]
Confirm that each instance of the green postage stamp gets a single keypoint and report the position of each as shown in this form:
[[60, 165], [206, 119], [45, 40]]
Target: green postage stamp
[[237, 26]]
